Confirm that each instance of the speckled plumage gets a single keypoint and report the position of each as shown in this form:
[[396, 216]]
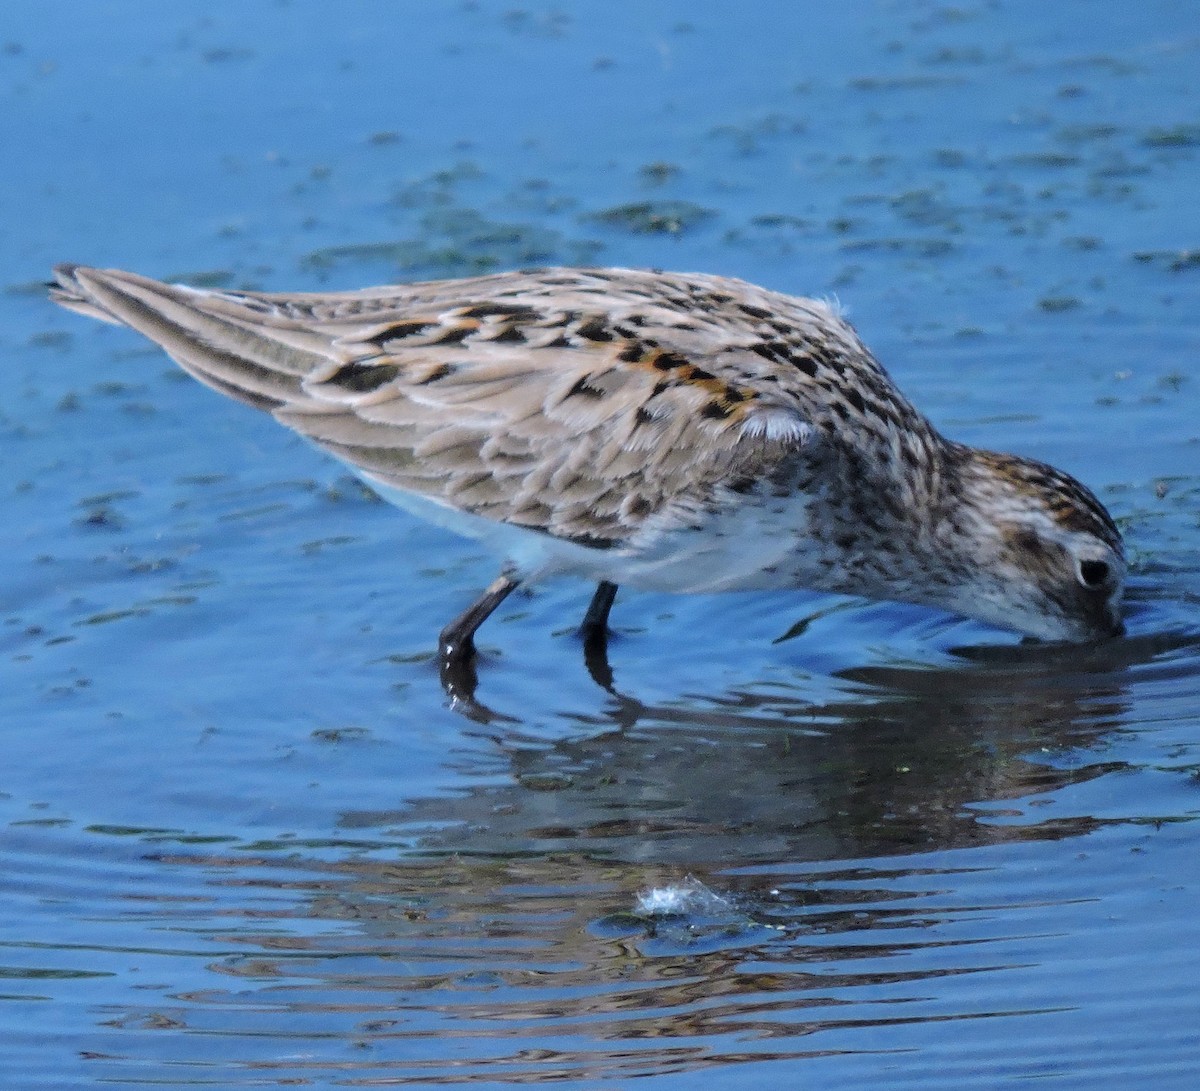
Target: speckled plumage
[[672, 431]]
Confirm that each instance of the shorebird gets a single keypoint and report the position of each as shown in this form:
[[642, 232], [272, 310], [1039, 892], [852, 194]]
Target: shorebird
[[674, 432]]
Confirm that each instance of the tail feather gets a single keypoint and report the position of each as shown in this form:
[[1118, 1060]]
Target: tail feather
[[200, 330], [67, 293]]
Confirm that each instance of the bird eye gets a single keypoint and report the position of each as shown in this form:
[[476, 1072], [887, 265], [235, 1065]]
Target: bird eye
[[1093, 574]]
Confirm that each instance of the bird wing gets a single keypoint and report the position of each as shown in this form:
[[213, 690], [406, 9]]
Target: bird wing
[[551, 401]]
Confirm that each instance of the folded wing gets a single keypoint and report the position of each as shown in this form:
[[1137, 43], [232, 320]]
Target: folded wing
[[516, 398]]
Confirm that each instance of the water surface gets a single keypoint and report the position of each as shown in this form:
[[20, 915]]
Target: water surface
[[805, 842]]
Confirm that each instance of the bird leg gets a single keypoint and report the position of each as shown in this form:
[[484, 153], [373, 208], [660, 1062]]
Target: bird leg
[[456, 651], [595, 621], [594, 631], [456, 642]]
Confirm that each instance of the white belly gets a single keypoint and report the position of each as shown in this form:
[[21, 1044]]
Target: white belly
[[752, 546]]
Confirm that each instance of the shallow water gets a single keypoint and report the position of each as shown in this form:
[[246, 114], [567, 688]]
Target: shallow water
[[806, 842]]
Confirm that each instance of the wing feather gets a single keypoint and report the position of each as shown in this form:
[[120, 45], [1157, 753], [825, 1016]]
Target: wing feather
[[568, 408]]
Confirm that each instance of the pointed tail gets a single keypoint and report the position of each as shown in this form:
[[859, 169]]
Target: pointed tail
[[220, 338]]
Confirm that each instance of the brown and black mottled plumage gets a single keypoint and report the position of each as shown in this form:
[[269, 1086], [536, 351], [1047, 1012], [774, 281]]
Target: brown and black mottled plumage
[[674, 431]]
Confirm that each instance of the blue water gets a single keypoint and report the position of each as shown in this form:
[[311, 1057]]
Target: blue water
[[244, 841]]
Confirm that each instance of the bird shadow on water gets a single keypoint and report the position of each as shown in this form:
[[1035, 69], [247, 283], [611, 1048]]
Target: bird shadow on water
[[1030, 662], [460, 679], [898, 759], [717, 877]]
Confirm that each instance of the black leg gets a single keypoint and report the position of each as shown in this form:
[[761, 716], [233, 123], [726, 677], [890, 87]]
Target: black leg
[[594, 631], [456, 649], [595, 621], [456, 643]]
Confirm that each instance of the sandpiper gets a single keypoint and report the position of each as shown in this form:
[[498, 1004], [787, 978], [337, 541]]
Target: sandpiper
[[675, 432]]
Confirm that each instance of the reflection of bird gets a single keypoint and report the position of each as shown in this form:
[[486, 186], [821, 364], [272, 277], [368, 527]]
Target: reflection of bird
[[673, 432]]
